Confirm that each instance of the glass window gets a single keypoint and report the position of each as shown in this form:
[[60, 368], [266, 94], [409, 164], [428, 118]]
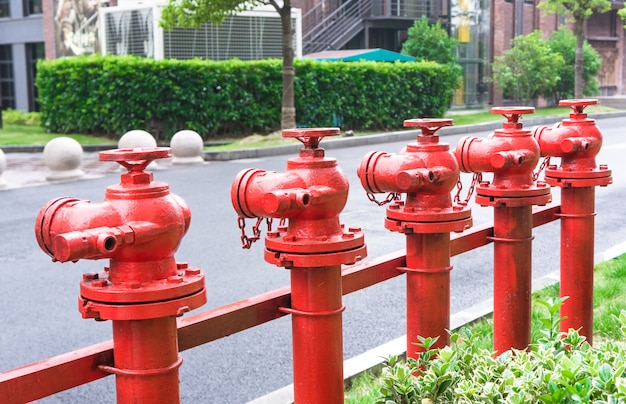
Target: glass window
[[32, 7], [5, 9], [7, 83], [34, 52]]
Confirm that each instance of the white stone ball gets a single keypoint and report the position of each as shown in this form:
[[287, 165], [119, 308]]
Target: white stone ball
[[136, 138], [63, 157], [187, 147]]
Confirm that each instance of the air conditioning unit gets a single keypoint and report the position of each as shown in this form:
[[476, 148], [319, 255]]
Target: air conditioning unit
[[132, 28]]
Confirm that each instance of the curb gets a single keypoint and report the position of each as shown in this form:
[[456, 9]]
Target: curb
[[372, 360], [398, 136], [39, 149]]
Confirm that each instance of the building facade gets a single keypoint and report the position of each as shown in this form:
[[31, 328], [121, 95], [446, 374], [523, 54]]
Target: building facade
[[36, 29], [21, 45]]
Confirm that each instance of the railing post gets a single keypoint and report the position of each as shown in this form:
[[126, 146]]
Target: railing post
[[313, 245], [511, 154], [426, 172], [576, 141]]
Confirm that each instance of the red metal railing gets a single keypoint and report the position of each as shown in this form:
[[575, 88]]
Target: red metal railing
[[53, 375]]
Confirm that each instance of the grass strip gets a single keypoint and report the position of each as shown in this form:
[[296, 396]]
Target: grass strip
[[19, 130]]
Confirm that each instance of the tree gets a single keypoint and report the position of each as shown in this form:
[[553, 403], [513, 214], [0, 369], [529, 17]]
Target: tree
[[579, 11], [430, 42], [195, 13], [529, 69], [563, 42]]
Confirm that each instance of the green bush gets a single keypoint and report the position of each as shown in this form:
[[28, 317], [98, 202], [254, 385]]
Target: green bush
[[427, 41], [563, 42], [559, 368], [370, 95], [111, 95], [18, 117], [115, 94], [529, 69]]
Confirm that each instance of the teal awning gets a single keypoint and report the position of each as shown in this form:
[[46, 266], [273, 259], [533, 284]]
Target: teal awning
[[355, 55]]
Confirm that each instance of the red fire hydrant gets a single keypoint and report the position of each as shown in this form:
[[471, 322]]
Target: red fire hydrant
[[138, 227], [511, 154], [577, 141], [313, 244], [426, 172]]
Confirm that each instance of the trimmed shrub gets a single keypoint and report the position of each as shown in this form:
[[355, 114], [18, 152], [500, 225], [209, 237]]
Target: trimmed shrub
[[111, 95]]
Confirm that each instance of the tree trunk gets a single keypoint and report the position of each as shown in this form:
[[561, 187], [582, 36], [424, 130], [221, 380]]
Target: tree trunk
[[288, 110], [578, 60]]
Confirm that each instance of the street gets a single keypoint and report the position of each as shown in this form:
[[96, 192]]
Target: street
[[38, 302]]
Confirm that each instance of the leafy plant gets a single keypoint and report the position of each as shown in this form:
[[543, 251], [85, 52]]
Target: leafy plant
[[428, 41], [559, 368], [577, 11], [563, 42], [529, 69], [19, 117]]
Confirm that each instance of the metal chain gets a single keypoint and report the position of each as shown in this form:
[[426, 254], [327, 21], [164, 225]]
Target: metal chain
[[459, 188], [542, 167], [476, 179], [246, 241], [392, 196]]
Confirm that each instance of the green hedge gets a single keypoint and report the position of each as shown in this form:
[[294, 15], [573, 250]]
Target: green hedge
[[111, 95]]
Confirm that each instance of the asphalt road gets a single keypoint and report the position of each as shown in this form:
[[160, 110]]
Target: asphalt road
[[38, 303]]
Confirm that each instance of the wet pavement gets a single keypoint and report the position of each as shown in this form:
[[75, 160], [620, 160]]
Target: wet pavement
[[28, 169]]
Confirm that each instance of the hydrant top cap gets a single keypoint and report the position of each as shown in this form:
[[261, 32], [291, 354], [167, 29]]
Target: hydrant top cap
[[135, 159], [310, 137], [428, 125], [578, 106]]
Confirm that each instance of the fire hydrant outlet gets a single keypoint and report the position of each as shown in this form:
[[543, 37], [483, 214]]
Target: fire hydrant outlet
[[577, 141], [312, 243], [426, 171], [511, 154], [138, 227], [311, 194]]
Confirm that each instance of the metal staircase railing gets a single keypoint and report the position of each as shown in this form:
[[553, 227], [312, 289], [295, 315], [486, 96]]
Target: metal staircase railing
[[337, 28]]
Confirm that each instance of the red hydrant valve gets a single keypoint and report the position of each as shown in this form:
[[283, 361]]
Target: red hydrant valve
[[310, 241], [577, 141], [511, 154], [138, 227], [426, 172], [309, 195]]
